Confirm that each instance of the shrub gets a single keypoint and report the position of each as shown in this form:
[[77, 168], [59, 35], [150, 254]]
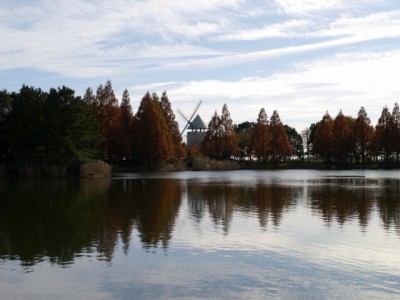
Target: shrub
[[207, 164], [97, 168]]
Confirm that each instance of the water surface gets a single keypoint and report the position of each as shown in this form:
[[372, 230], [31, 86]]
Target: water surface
[[202, 235]]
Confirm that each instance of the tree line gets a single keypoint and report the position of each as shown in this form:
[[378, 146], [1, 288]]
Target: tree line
[[59, 127]]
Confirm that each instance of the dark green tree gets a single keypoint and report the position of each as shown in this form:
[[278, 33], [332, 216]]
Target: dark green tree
[[5, 107], [25, 124], [127, 124], [296, 141], [363, 133], [244, 133]]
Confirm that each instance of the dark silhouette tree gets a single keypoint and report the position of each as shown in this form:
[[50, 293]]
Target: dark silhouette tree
[[127, 123], [383, 138], [25, 124], [396, 130], [363, 133], [341, 137], [5, 107]]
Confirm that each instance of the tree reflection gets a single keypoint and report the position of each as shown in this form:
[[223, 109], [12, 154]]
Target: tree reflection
[[223, 200], [388, 204], [60, 220]]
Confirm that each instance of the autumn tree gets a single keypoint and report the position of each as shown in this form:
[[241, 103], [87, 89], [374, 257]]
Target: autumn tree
[[363, 133], [104, 106], [228, 135], [341, 137], [173, 127], [212, 144], [260, 137], [153, 139], [322, 140], [278, 144]]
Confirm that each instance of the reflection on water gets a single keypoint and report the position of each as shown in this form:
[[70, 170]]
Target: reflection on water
[[64, 222], [59, 220]]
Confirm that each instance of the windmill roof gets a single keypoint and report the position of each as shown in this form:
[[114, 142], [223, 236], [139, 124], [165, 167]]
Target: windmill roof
[[198, 123]]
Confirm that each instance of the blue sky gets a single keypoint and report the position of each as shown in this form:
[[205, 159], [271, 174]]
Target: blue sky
[[300, 57]]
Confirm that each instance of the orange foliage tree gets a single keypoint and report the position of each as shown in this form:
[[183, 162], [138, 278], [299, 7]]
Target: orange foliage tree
[[173, 127], [322, 140], [153, 139], [341, 137], [212, 145], [278, 143], [260, 137]]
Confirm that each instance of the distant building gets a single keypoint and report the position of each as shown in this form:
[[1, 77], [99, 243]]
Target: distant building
[[197, 133]]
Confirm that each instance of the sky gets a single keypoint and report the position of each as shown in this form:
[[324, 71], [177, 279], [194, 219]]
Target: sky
[[299, 57]]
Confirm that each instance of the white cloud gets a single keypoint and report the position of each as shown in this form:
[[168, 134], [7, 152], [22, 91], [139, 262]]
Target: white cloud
[[346, 81]]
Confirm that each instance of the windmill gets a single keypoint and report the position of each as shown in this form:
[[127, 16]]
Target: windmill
[[189, 120]]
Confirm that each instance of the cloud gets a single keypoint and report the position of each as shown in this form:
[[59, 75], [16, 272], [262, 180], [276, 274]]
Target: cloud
[[346, 81]]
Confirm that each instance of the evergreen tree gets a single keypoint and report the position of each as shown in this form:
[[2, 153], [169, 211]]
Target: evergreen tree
[[383, 139], [396, 130], [25, 124], [173, 126], [296, 141], [5, 107], [127, 123], [244, 132]]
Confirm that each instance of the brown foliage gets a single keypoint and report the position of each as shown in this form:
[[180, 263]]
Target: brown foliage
[[322, 142], [153, 139]]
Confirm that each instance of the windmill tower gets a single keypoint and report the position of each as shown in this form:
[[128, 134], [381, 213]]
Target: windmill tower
[[197, 127]]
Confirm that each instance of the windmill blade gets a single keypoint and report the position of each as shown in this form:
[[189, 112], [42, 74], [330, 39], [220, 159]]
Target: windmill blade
[[189, 120], [183, 115], [195, 110], [187, 124]]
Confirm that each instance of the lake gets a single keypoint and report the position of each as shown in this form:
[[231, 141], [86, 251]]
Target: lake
[[292, 234]]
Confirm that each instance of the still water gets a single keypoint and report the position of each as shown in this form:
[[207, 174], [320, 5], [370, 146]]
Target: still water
[[203, 235]]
